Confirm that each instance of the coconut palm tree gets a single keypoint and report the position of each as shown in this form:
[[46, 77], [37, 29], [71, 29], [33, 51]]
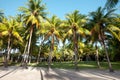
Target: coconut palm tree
[[74, 27], [93, 39], [33, 15], [101, 25], [52, 28], [9, 29]]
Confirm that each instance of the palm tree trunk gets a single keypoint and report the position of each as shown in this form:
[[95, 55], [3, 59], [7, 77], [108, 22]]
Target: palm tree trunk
[[38, 59], [75, 49], [51, 51], [5, 60], [63, 55], [28, 50], [29, 43], [97, 57], [108, 60], [26, 45], [23, 57], [30, 58], [8, 52], [8, 48], [102, 38]]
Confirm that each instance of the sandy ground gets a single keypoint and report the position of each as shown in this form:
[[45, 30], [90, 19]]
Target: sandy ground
[[37, 73]]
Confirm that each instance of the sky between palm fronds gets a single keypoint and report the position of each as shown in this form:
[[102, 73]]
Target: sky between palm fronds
[[56, 7]]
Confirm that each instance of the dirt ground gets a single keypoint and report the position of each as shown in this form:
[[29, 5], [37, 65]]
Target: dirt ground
[[38, 73]]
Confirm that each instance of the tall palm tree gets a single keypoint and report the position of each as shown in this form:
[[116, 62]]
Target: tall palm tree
[[94, 39], [33, 16], [111, 3], [52, 27], [9, 30], [74, 26], [100, 21]]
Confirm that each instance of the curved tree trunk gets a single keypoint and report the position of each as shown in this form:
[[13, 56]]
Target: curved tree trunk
[[28, 49], [102, 38], [107, 56], [29, 43], [23, 58]]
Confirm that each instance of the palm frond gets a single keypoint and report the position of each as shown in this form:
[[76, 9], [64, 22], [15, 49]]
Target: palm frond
[[111, 3], [16, 35]]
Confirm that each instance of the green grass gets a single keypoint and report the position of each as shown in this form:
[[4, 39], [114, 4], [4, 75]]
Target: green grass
[[81, 65], [70, 65], [115, 65], [1, 61]]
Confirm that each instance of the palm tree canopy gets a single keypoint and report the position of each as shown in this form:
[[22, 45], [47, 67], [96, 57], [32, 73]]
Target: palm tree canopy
[[75, 18], [52, 26], [101, 21], [75, 21], [10, 26], [34, 12]]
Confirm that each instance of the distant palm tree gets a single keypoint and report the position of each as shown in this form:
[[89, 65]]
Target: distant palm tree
[[52, 28], [33, 15], [9, 29], [101, 25], [74, 28]]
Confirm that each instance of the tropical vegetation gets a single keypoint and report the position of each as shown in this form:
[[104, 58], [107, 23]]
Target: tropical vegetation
[[32, 37]]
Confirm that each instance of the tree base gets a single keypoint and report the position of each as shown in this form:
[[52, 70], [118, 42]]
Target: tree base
[[111, 70]]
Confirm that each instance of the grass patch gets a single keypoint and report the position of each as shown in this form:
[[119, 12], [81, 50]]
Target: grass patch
[[115, 65], [70, 65], [1, 61], [81, 65]]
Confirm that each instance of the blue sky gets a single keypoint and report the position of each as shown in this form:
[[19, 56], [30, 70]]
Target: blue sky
[[56, 7]]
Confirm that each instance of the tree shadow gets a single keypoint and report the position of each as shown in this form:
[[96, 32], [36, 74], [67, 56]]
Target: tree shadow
[[7, 73], [62, 74], [68, 74]]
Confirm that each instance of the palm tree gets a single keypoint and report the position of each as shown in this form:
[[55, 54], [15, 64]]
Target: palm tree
[[9, 30], [100, 21], [33, 16], [52, 27], [74, 24], [111, 3], [94, 40]]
